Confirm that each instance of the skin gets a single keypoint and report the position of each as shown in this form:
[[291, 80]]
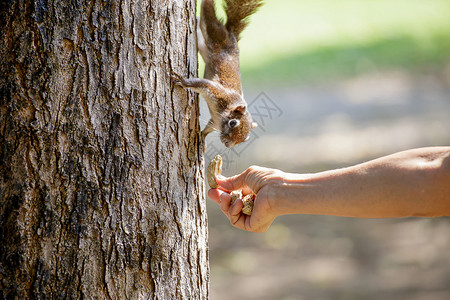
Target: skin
[[415, 182]]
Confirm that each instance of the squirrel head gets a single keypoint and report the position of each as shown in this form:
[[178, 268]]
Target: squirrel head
[[236, 126]]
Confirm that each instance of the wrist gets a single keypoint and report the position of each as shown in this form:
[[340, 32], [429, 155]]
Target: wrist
[[283, 193]]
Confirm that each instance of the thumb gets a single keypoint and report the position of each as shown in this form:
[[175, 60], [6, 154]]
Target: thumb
[[233, 183]]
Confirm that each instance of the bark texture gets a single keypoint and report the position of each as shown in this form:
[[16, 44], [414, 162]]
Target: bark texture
[[101, 175]]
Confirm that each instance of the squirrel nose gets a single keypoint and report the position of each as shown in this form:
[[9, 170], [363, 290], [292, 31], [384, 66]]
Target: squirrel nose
[[229, 144]]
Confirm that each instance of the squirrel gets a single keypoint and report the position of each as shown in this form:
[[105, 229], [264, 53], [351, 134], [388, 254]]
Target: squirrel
[[221, 85]]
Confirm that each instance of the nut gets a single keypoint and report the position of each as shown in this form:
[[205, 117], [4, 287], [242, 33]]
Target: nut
[[235, 195], [248, 202], [214, 169]]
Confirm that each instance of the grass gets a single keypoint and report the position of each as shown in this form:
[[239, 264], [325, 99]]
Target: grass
[[291, 40]]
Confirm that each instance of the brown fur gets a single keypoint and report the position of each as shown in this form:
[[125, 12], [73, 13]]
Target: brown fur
[[221, 85], [238, 12]]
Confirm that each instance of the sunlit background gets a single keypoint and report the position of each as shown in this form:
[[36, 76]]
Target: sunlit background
[[333, 83]]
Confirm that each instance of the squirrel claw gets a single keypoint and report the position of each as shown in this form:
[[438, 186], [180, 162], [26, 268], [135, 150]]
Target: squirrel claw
[[177, 79], [202, 141]]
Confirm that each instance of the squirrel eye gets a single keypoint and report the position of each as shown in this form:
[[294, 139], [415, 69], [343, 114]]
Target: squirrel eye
[[233, 123]]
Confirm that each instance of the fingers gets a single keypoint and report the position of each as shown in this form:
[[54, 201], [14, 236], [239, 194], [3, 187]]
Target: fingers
[[214, 194], [233, 212], [225, 202], [257, 222], [235, 215], [223, 199], [233, 183], [254, 178]]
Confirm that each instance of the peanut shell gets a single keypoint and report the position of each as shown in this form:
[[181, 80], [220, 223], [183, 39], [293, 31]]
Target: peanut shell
[[235, 195], [214, 169], [248, 202]]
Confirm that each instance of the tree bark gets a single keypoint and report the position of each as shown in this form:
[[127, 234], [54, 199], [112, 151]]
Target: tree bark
[[101, 175]]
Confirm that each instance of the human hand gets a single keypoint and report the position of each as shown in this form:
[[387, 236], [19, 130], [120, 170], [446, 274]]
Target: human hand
[[257, 180]]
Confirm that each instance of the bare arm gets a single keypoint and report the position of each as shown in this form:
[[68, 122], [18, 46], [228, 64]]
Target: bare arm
[[409, 183]]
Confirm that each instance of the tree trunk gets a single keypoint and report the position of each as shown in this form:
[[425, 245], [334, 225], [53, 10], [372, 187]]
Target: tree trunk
[[101, 191]]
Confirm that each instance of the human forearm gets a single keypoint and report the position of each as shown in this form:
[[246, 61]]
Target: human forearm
[[410, 183]]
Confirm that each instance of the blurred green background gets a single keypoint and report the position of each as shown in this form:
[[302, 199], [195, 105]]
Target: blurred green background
[[316, 39], [331, 84]]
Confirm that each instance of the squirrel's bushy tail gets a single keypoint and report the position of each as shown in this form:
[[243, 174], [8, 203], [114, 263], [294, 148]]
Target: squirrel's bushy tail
[[210, 25], [238, 12]]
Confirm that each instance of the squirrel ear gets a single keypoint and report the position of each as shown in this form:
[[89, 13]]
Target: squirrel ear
[[254, 125], [240, 109]]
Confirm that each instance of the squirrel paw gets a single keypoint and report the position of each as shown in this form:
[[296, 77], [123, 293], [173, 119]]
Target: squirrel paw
[[204, 146], [177, 79], [202, 141]]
